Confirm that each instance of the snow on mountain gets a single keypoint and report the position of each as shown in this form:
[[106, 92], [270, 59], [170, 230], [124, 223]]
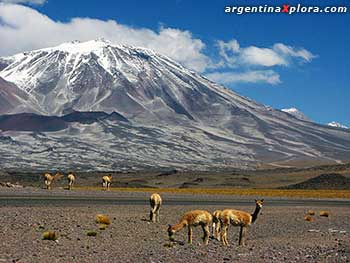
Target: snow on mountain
[[296, 113], [337, 125], [176, 117]]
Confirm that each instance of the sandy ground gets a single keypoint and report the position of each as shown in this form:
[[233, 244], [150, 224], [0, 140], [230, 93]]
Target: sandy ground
[[279, 235]]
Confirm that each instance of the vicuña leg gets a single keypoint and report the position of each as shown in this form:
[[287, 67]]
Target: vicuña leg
[[216, 230], [158, 215], [189, 234], [214, 227], [241, 235], [206, 233], [154, 215], [151, 215], [244, 232], [224, 235]]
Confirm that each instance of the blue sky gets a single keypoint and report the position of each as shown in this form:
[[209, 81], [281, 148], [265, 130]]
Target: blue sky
[[313, 75]]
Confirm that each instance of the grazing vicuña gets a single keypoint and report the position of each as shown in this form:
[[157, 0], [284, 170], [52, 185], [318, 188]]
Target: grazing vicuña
[[155, 202], [49, 179], [192, 219], [71, 180], [106, 182]]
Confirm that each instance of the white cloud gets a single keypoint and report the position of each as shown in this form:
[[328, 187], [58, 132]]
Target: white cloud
[[293, 52], [36, 2], [261, 56], [23, 28], [279, 54], [225, 48], [255, 76]]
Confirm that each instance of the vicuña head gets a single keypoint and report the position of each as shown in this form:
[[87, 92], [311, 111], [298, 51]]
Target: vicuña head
[[238, 218], [192, 219]]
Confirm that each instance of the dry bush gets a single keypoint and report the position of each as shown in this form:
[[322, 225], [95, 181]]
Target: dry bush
[[308, 218], [103, 219], [311, 212], [102, 226], [50, 235], [169, 245], [324, 213]]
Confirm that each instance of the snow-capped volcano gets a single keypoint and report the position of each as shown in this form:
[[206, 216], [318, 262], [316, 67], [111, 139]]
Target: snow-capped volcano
[[337, 125], [176, 117], [296, 113], [99, 76]]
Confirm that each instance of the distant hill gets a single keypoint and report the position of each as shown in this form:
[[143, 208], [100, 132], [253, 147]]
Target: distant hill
[[39, 123], [324, 181]]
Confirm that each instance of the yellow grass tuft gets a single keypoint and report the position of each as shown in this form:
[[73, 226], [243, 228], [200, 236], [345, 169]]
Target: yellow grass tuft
[[309, 218], [324, 213], [102, 226], [103, 219], [311, 212], [50, 235]]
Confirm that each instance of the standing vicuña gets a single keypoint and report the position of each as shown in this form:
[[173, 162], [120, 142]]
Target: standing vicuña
[[155, 201], [106, 181], [238, 218], [48, 179], [216, 224], [192, 219], [71, 180]]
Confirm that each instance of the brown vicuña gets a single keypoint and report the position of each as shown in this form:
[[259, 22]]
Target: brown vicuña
[[155, 202], [49, 179], [71, 180], [238, 218], [192, 219], [106, 182]]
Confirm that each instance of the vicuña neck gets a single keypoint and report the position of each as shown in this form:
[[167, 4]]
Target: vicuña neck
[[179, 226], [255, 214]]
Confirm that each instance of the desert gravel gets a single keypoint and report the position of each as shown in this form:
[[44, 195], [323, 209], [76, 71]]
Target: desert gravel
[[280, 235]]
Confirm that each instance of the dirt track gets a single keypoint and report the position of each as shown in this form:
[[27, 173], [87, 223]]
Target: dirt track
[[279, 235]]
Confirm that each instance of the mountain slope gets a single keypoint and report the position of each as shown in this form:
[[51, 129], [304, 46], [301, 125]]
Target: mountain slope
[[12, 98], [203, 124]]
